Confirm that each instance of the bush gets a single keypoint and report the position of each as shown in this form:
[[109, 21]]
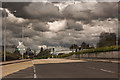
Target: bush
[[102, 49], [42, 57], [11, 56]]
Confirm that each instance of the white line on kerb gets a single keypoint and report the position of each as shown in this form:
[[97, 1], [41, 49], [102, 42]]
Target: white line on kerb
[[34, 70]]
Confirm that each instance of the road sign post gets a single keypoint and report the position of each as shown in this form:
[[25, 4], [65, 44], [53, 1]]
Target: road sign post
[[21, 48]]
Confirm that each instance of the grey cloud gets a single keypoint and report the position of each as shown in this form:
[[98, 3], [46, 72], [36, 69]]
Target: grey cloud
[[40, 26], [105, 10], [18, 7], [35, 10], [43, 11], [86, 12], [48, 12], [16, 31], [76, 12], [73, 25], [36, 36]]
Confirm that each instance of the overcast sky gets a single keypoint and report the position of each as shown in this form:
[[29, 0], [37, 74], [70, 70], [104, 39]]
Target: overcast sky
[[59, 24]]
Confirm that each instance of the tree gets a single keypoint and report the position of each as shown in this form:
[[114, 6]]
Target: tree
[[74, 47], [41, 49], [44, 53], [84, 46], [107, 39]]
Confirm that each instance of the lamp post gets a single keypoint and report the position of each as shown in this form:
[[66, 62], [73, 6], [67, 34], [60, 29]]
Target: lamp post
[[4, 32], [22, 36], [116, 34]]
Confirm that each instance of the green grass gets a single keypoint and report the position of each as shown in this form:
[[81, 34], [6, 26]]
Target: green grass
[[96, 50]]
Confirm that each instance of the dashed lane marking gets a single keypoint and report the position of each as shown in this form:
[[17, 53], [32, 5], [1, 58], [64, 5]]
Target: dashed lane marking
[[35, 76], [107, 71], [101, 69]]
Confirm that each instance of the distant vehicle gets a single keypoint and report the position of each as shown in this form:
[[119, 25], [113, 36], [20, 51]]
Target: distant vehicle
[[60, 54]]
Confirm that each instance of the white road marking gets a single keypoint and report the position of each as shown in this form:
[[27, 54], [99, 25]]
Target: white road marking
[[35, 76], [107, 71], [101, 69]]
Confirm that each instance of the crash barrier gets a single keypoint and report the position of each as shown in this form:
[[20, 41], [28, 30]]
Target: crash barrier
[[97, 55]]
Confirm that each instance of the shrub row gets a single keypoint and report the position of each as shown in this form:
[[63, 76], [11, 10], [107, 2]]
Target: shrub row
[[11, 56], [43, 57], [96, 50]]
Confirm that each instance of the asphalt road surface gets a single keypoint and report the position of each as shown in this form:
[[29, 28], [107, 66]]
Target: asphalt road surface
[[69, 70]]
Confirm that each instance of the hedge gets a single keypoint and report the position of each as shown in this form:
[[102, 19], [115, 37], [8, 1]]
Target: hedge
[[11, 56], [102, 49]]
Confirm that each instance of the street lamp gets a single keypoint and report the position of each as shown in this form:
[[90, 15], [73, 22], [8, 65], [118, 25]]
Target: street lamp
[[4, 32], [4, 11], [22, 36], [116, 34]]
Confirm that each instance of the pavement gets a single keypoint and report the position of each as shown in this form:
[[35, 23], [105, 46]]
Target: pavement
[[14, 61], [62, 68], [55, 60], [15, 67]]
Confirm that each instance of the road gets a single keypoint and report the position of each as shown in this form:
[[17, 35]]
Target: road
[[78, 69]]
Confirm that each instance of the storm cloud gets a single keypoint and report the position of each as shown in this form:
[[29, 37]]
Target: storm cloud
[[86, 11], [59, 24]]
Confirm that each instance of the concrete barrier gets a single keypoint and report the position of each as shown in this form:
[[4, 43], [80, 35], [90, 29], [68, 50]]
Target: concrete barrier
[[105, 55]]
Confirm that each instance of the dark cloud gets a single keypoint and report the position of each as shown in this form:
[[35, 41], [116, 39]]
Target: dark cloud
[[40, 26], [16, 31], [63, 32], [18, 7], [35, 10], [86, 12], [76, 12], [50, 12], [105, 10], [73, 25], [43, 11]]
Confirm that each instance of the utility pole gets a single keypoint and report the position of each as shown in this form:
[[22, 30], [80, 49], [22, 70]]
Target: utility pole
[[22, 39], [4, 11]]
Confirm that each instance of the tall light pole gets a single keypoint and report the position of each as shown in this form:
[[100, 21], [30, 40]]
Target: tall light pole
[[4, 32], [116, 34], [22, 35]]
